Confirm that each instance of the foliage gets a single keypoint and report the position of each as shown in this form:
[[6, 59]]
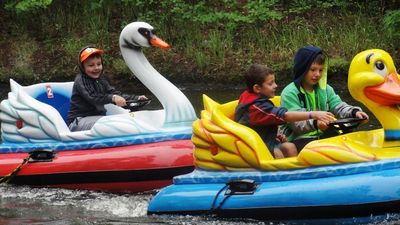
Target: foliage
[[120, 65], [23, 59], [215, 40], [21, 6], [391, 22], [302, 6], [336, 64]]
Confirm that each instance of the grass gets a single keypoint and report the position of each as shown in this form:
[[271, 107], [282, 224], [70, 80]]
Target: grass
[[209, 52], [22, 59]]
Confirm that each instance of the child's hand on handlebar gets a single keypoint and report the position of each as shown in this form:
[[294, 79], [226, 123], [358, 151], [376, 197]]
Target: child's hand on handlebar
[[142, 97], [323, 116], [362, 115], [119, 101]]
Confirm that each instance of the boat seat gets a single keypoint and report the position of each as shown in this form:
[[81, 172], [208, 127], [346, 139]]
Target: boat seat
[[58, 95], [55, 94]]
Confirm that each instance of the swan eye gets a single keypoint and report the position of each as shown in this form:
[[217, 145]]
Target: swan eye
[[380, 68], [145, 32]]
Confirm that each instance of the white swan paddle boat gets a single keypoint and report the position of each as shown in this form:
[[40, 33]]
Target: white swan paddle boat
[[350, 178], [123, 152]]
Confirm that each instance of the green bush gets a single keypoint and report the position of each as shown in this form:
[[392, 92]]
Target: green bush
[[391, 23], [214, 40]]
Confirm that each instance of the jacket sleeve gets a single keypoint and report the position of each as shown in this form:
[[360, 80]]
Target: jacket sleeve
[[344, 110], [265, 114], [339, 108]]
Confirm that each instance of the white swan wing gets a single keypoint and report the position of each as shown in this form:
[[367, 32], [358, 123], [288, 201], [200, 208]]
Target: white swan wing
[[37, 121], [114, 126]]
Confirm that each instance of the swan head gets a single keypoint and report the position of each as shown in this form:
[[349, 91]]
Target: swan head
[[373, 79], [140, 34]]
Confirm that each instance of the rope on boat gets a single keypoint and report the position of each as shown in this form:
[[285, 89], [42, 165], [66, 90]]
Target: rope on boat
[[213, 209], [41, 155], [6, 179]]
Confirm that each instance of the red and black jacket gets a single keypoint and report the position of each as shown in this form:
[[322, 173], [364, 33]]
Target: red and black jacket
[[260, 114]]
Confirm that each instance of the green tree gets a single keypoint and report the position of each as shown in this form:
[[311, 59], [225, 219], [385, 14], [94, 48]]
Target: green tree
[[21, 6]]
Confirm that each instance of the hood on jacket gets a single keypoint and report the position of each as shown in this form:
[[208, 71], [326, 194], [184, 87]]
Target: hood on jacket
[[247, 97], [302, 62], [83, 57]]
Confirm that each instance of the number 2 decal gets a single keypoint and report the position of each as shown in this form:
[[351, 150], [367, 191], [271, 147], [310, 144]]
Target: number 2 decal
[[49, 91]]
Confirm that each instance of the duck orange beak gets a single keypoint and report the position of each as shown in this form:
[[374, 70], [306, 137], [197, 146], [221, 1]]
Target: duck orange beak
[[157, 42], [387, 93]]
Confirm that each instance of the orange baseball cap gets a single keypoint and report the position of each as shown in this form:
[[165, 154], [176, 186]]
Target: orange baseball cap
[[88, 52]]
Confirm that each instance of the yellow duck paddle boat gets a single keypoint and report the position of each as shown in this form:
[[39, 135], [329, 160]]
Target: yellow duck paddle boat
[[353, 175], [221, 144]]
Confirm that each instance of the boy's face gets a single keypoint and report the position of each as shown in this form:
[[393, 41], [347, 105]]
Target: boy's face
[[313, 75], [93, 66], [267, 88]]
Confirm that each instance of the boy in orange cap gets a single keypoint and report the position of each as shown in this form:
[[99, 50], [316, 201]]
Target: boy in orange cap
[[91, 91]]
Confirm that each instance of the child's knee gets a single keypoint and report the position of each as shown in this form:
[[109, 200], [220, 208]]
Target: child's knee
[[278, 154], [289, 149]]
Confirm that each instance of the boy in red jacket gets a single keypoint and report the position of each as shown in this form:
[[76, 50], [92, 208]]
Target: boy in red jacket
[[256, 111]]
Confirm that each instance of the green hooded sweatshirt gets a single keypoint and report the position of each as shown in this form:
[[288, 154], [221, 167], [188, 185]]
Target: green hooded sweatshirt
[[324, 98]]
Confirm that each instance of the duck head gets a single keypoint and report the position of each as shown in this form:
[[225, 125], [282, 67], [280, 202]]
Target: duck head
[[373, 80]]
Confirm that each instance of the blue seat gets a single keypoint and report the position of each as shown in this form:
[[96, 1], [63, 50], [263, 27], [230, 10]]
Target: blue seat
[[59, 101], [55, 94]]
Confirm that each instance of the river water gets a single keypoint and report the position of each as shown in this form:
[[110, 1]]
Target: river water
[[26, 205]]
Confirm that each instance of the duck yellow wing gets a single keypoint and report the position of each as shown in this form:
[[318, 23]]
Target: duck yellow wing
[[217, 141]]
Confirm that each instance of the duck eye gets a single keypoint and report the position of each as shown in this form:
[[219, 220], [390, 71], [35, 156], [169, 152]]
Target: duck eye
[[379, 65], [380, 68]]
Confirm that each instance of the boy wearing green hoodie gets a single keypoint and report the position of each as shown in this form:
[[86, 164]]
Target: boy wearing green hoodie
[[309, 92]]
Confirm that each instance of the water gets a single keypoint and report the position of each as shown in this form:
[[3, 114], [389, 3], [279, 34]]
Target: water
[[26, 205]]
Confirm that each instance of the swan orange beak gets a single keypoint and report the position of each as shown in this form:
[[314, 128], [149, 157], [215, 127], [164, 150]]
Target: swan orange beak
[[157, 42], [387, 93]]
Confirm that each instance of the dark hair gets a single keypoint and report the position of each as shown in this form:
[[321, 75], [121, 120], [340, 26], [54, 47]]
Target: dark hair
[[256, 75], [319, 59]]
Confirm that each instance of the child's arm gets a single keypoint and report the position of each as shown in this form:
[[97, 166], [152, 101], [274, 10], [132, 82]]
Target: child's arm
[[322, 116], [342, 109]]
